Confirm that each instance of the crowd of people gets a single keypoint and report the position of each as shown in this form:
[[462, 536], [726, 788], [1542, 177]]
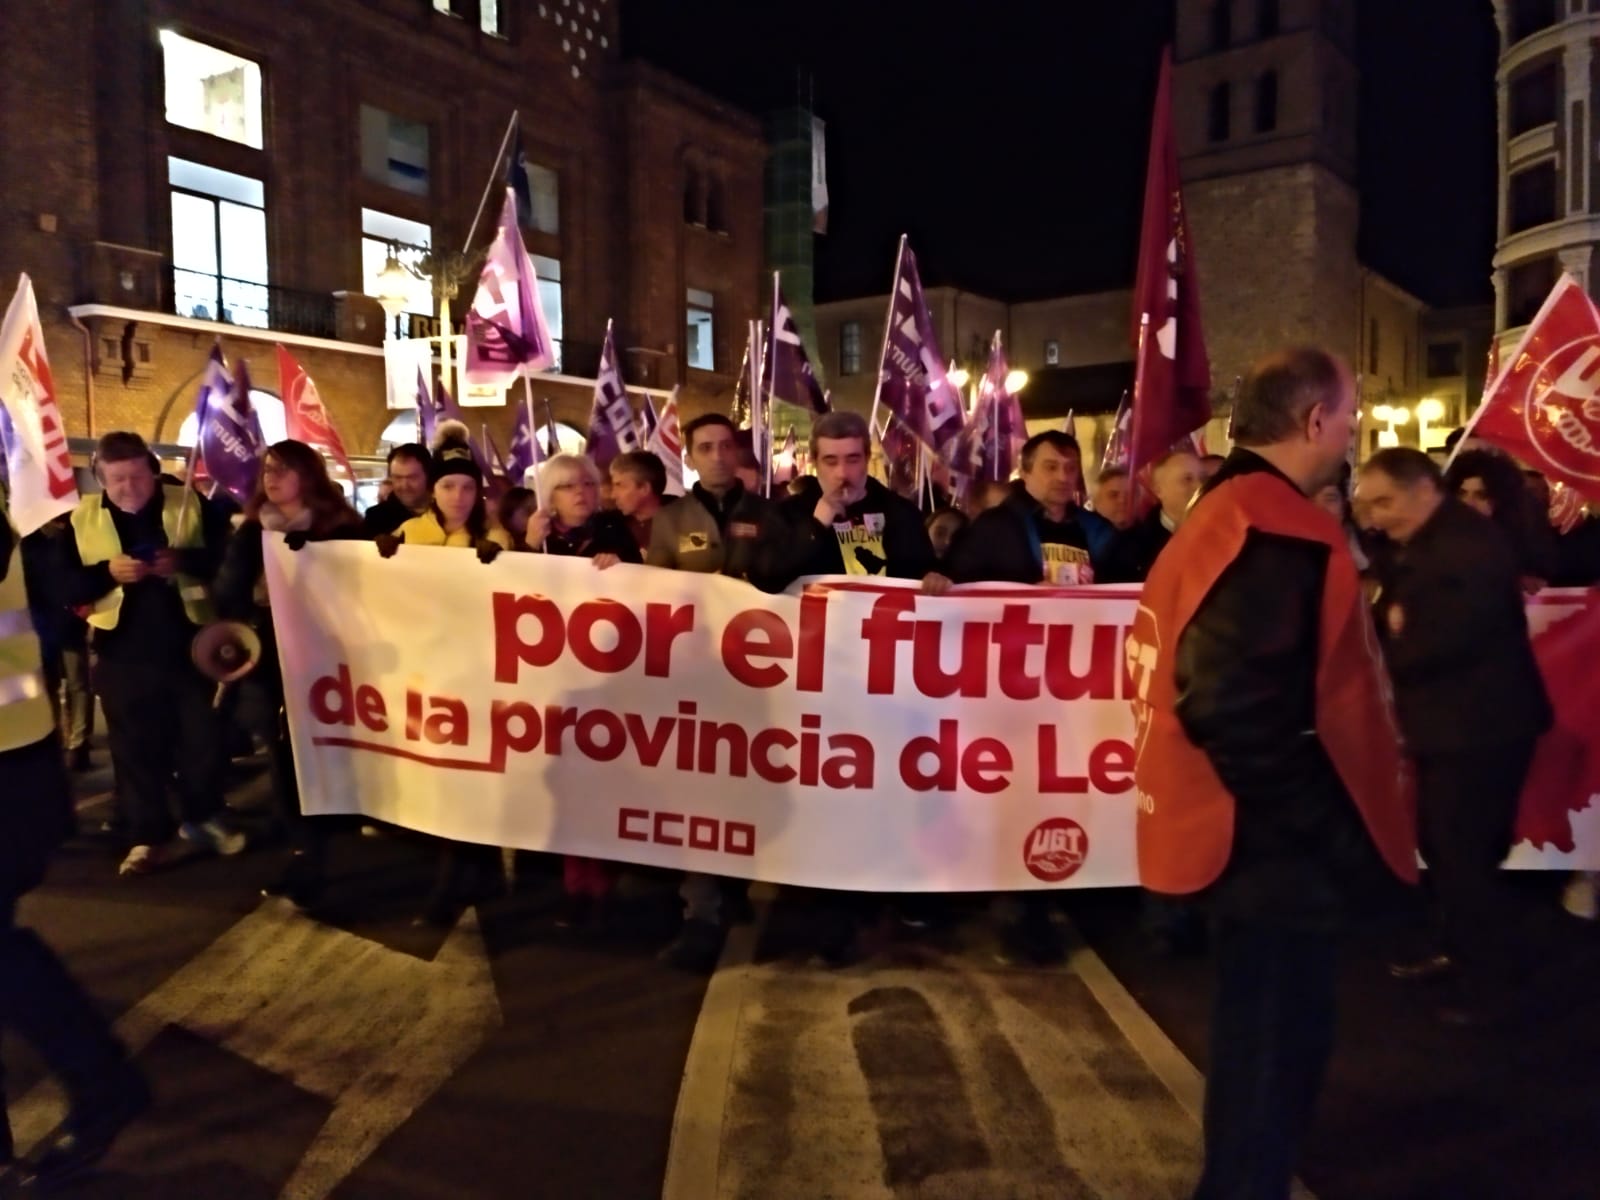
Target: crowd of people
[[141, 566]]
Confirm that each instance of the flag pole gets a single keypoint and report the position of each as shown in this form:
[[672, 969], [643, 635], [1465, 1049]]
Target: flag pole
[[772, 388], [1138, 393], [494, 173], [894, 290]]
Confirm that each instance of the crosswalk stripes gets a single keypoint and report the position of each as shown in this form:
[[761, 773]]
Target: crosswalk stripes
[[939, 1079]]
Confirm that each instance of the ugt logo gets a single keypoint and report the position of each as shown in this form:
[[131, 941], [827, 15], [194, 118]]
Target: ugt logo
[[1055, 849], [1562, 413]]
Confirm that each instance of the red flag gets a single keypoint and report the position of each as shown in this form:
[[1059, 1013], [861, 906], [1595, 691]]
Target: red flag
[[1565, 772], [304, 414], [1172, 376], [1544, 409]]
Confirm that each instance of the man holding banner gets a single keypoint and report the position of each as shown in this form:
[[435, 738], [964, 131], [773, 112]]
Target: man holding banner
[[1268, 768]]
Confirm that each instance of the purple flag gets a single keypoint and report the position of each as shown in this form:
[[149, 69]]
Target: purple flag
[[231, 441], [648, 420], [912, 382], [506, 331], [612, 429], [526, 452], [427, 413], [786, 372], [990, 444]]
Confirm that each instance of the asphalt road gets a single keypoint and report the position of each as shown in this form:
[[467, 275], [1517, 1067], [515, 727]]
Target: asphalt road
[[364, 1055]]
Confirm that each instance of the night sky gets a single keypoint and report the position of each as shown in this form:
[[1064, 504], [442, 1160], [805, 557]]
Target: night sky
[[1010, 143]]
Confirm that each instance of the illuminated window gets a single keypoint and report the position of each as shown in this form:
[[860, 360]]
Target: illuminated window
[[702, 354], [549, 272], [219, 244], [211, 90], [410, 241]]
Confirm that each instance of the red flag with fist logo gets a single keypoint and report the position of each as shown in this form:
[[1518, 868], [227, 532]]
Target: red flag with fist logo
[[1545, 406]]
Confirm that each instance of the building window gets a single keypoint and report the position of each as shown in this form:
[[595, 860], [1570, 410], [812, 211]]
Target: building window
[[1444, 360], [219, 244], [1530, 16], [702, 354], [1222, 24], [1267, 23], [1531, 197], [1052, 353], [1527, 286], [394, 151], [694, 197], [716, 207], [1372, 346], [549, 272], [410, 241], [211, 90], [490, 19], [850, 348], [1267, 102], [1533, 98], [1218, 120], [544, 185]]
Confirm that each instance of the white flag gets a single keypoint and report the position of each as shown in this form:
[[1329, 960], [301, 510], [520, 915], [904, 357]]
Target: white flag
[[666, 443], [38, 461]]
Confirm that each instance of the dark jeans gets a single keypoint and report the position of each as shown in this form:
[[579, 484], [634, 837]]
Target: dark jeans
[[78, 706], [159, 720], [1467, 808], [260, 709], [1272, 1026]]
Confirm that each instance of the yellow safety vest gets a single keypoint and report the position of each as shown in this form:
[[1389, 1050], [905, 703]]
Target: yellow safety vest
[[426, 531], [98, 542], [25, 713]]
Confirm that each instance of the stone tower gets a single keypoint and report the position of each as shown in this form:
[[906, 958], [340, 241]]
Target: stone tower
[[1264, 111]]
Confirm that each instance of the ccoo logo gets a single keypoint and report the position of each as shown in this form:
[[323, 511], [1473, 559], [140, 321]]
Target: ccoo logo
[[1055, 849]]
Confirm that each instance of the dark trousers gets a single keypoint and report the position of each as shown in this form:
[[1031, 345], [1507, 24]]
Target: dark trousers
[[1271, 1035], [260, 709], [38, 999], [77, 709], [1467, 809], [159, 720]]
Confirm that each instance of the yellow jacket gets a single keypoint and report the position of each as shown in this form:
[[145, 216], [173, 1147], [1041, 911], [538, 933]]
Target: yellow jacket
[[426, 531]]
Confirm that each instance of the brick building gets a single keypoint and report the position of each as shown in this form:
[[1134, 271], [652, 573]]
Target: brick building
[[173, 171]]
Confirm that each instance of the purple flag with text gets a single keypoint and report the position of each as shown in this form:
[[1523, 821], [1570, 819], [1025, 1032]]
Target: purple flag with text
[[231, 441], [912, 383], [991, 443], [612, 430], [506, 331], [786, 372]]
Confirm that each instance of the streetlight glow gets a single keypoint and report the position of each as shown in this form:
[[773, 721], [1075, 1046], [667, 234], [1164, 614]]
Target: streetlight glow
[[1016, 381], [1430, 410]]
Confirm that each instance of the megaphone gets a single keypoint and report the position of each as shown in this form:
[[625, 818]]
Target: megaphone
[[225, 652]]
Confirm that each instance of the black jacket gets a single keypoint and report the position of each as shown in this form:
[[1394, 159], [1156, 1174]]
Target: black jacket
[[1134, 552], [1004, 543], [152, 626], [385, 516], [1578, 555], [1246, 672], [606, 532], [1463, 667], [238, 592], [886, 536]]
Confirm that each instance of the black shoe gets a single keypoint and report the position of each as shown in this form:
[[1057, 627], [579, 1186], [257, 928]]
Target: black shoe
[[89, 1132], [574, 911], [841, 950], [1031, 943], [300, 883], [697, 948], [80, 760], [1427, 969]]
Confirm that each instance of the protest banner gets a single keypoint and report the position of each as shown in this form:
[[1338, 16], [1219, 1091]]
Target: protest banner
[[854, 735]]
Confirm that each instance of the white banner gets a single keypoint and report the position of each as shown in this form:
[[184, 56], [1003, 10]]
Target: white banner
[[858, 736], [33, 438]]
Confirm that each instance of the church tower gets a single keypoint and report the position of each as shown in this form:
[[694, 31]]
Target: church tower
[[1264, 111]]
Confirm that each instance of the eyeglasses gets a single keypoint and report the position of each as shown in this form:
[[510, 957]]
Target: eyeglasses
[[274, 470]]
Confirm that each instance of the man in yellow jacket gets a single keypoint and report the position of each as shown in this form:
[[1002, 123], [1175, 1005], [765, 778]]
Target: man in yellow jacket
[[38, 999], [139, 559]]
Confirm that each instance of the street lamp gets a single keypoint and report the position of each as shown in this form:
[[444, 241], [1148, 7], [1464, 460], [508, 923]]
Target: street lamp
[[1016, 381], [394, 291], [1390, 415], [1429, 411]]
